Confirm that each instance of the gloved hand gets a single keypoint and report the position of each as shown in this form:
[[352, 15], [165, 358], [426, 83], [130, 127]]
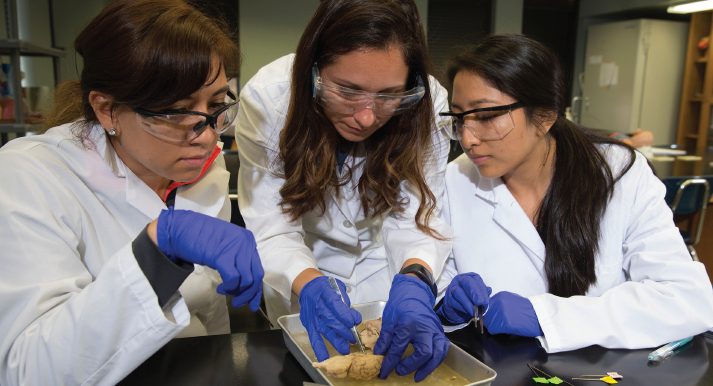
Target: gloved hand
[[510, 313], [465, 292], [322, 311], [409, 318], [227, 248]]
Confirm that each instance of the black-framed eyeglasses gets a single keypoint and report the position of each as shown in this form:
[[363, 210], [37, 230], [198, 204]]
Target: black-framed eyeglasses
[[486, 124], [181, 126]]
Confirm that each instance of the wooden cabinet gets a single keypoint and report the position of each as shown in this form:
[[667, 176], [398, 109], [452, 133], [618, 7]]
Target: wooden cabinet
[[696, 98]]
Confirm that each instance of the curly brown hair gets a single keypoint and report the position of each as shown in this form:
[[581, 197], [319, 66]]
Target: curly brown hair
[[396, 152]]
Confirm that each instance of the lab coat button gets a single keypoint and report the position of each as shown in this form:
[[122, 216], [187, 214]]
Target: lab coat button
[[349, 289], [198, 269], [347, 224]]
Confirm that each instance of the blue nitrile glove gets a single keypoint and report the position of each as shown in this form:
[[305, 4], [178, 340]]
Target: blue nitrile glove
[[229, 249], [465, 292], [323, 312], [510, 313], [409, 318]]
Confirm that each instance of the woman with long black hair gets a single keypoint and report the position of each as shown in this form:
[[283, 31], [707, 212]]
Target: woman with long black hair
[[568, 229]]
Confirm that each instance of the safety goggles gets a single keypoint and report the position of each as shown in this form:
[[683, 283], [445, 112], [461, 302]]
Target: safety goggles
[[486, 124], [347, 101], [179, 126]]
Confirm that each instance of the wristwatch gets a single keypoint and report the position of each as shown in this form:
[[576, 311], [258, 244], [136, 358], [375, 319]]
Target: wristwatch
[[423, 274]]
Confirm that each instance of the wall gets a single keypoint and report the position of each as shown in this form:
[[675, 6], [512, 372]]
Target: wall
[[507, 16], [71, 16], [270, 29], [34, 26]]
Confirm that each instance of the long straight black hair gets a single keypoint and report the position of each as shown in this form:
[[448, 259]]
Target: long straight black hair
[[571, 212]]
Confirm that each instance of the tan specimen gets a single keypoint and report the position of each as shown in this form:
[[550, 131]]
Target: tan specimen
[[335, 366], [365, 367], [371, 332], [361, 367]]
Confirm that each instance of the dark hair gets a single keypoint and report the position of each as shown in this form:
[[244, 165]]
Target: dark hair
[[396, 152], [570, 215], [144, 53]]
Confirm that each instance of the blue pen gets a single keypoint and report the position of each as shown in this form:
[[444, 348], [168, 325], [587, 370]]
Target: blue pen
[[666, 351]]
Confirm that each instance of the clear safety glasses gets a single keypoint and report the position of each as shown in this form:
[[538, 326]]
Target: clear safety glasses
[[179, 126], [486, 124], [347, 101]]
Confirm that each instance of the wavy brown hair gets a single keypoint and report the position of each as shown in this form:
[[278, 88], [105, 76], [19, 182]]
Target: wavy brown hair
[[144, 53], [396, 152], [569, 218]]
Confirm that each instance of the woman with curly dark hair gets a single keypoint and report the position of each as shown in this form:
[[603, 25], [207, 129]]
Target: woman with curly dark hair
[[341, 174]]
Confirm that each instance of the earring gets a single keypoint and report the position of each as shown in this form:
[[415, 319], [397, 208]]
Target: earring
[[112, 131]]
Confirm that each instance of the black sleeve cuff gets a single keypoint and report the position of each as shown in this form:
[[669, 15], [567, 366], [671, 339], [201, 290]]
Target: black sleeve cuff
[[444, 321], [164, 275]]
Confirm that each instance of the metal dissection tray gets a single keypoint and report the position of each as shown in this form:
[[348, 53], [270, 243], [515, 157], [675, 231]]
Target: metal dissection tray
[[470, 368]]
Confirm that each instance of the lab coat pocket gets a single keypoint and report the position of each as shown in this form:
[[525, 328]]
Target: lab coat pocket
[[333, 256]]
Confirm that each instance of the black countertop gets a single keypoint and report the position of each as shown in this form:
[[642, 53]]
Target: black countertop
[[261, 358]]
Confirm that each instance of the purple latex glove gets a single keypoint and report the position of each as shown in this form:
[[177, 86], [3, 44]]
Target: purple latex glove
[[465, 292], [409, 318], [510, 313], [323, 312], [229, 249]]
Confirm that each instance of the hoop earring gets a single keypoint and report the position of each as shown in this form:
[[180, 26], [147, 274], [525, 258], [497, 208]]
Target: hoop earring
[[112, 131]]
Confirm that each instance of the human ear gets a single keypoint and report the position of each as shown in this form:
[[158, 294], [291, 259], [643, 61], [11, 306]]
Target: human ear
[[101, 104], [547, 119]]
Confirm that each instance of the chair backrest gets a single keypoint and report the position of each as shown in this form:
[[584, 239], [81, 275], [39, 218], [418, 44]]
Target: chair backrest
[[689, 195], [694, 195], [232, 164]]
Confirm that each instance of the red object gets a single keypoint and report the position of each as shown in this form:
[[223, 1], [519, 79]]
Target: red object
[[703, 43], [8, 108], [175, 184]]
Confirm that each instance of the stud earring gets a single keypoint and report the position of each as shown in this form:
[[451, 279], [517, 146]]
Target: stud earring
[[112, 131]]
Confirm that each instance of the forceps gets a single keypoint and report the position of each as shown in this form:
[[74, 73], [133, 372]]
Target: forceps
[[335, 287]]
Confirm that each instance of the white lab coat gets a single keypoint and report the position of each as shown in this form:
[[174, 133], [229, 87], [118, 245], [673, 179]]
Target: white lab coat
[[76, 306], [648, 291], [364, 253]]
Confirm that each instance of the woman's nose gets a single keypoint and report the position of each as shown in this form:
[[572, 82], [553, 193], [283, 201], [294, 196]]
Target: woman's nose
[[469, 139], [366, 117], [206, 137]]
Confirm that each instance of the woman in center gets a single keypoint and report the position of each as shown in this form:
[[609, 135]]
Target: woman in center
[[342, 167]]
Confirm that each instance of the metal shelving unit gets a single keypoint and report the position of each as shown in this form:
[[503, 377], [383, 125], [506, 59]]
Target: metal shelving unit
[[14, 47]]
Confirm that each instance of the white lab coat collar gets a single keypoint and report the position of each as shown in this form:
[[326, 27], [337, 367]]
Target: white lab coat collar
[[208, 198], [208, 193], [98, 139], [509, 214]]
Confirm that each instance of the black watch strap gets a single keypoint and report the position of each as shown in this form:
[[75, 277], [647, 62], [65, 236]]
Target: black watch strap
[[423, 274]]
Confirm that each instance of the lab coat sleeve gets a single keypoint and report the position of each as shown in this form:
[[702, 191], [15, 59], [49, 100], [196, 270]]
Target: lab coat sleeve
[[280, 242], [449, 268], [668, 296], [60, 325], [402, 240]]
